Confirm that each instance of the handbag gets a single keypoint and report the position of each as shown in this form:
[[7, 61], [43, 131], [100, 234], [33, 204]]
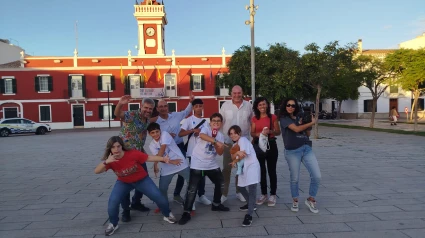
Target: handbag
[[261, 144]]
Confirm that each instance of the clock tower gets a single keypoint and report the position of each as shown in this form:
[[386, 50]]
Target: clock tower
[[151, 19]]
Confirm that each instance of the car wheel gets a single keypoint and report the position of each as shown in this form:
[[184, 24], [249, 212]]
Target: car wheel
[[4, 133], [41, 131]]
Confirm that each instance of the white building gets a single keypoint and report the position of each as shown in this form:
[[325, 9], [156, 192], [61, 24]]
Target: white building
[[9, 53], [393, 96]]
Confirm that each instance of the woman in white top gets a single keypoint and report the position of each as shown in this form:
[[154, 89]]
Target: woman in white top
[[250, 175]]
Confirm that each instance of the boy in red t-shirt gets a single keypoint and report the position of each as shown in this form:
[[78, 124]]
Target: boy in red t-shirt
[[127, 165]]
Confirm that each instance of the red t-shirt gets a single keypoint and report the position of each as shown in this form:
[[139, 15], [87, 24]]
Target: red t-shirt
[[264, 122], [129, 168]]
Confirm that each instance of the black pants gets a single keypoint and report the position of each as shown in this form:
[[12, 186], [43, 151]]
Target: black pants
[[271, 159], [216, 178]]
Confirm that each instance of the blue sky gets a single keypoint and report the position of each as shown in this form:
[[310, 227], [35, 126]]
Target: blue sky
[[108, 28]]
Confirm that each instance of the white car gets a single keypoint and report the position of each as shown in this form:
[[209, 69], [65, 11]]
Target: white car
[[21, 125]]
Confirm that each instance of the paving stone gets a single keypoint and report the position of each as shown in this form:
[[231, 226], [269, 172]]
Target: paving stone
[[192, 224], [281, 236], [224, 232], [66, 223], [414, 233], [261, 222], [11, 208], [386, 202], [400, 215], [419, 206], [352, 210], [37, 212], [337, 218], [13, 226], [155, 234], [386, 225], [307, 228], [22, 218], [286, 212], [28, 233], [56, 205], [97, 230], [362, 234]]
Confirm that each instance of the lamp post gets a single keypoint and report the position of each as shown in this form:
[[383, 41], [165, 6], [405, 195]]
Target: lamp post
[[109, 107], [252, 9]]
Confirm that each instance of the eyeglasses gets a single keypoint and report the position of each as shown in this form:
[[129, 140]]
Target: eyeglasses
[[291, 105], [216, 121]]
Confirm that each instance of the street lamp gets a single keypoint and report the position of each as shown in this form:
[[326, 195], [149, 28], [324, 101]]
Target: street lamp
[[109, 107], [252, 8]]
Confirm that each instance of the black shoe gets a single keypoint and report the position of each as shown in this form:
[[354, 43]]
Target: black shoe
[[245, 208], [126, 216], [140, 207], [247, 221], [219, 208], [185, 218]]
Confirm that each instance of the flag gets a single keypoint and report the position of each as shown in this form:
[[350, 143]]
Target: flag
[[158, 74], [145, 77], [211, 75], [122, 75]]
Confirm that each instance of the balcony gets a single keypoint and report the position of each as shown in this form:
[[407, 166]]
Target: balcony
[[149, 11]]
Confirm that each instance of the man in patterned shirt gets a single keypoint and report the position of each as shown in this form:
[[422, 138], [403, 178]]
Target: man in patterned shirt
[[133, 133]]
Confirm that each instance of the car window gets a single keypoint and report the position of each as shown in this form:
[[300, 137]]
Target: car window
[[24, 121], [14, 121]]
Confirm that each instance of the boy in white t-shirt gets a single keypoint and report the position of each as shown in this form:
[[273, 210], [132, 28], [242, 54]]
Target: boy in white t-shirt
[[204, 163], [191, 127], [250, 176], [163, 144]]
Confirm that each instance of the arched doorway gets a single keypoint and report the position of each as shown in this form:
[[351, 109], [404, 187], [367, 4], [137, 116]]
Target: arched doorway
[[11, 109]]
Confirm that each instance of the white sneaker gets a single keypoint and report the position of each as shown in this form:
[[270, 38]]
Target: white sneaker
[[261, 200], [312, 206], [240, 197], [272, 201], [110, 229], [170, 219], [193, 207], [223, 199], [204, 200], [295, 207]]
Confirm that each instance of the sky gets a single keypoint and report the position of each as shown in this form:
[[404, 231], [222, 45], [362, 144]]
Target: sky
[[204, 27]]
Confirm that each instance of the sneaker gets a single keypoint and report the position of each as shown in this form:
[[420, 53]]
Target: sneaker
[[245, 208], [139, 207], [247, 221], [126, 216], [185, 218], [110, 229], [272, 201], [240, 197], [312, 205], [219, 208], [193, 207], [294, 207], [170, 219], [261, 200], [178, 199], [223, 199], [204, 200]]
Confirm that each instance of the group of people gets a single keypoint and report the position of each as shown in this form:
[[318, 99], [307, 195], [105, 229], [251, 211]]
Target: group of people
[[227, 133]]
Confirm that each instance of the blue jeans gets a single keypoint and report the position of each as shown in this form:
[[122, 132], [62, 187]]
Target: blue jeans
[[294, 158], [164, 181], [180, 179], [125, 203], [146, 186]]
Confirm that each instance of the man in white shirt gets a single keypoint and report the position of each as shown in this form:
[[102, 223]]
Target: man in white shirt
[[235, 112], [191, 128]]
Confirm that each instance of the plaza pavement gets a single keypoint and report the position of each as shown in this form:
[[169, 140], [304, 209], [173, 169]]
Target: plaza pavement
[[373, 185]]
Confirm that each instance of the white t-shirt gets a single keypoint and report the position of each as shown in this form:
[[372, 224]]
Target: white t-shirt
[[172, 151], [251, 173], [190, 123], [203, 155]]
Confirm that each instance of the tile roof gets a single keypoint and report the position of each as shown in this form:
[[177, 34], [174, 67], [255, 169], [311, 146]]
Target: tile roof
[[13, 64]]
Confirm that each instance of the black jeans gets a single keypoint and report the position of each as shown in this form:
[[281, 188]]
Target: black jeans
[[216, 178], [180, 179], [271, 159], [125, 203]]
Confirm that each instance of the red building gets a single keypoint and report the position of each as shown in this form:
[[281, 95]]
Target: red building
[[70, 92]]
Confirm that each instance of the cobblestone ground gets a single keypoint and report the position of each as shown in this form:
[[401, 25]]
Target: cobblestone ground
[[373, 185]]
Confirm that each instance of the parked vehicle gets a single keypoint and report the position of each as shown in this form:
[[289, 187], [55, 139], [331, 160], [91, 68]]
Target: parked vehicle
[[21, 125]]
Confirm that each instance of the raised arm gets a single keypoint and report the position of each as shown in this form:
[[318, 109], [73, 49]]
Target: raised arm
[[302, 127], [118, 109]]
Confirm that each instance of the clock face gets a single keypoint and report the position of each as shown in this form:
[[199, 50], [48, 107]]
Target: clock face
[[150, 31]]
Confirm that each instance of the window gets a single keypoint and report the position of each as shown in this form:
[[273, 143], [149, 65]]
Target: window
[[170, 82], [393, 89], [106, 111], [135, 81], [367, 106], [133, 106], [43, 84], [105, 81], [45, 113], [197, 82], [77, 86], [172, 107], [421, 103], [8, 86], [10, 112], [77, 82]]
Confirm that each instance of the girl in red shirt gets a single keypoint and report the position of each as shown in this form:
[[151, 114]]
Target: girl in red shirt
[[127, 165]]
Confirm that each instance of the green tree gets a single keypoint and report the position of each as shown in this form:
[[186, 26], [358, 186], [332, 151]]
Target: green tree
[[409, 67], [375, 77]]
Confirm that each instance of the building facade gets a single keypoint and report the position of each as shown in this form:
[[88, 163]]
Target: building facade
[[69, 92]]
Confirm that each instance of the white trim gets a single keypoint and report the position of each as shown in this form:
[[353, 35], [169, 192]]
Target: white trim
[[72, 112], [43, 92], [17, 111], [105, 74], [105, 91], [43, 75], [124, 57], [113, 68], [133, 103], [16, 102], [175, 102], [197, 90], [76, 74], [39, 112], [104, 104], [8, 94], [7, 77]]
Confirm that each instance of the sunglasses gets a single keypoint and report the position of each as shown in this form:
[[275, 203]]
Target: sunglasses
[[291, 105]]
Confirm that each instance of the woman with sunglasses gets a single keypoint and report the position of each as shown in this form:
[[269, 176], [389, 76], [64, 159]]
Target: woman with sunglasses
[[298, 150]]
